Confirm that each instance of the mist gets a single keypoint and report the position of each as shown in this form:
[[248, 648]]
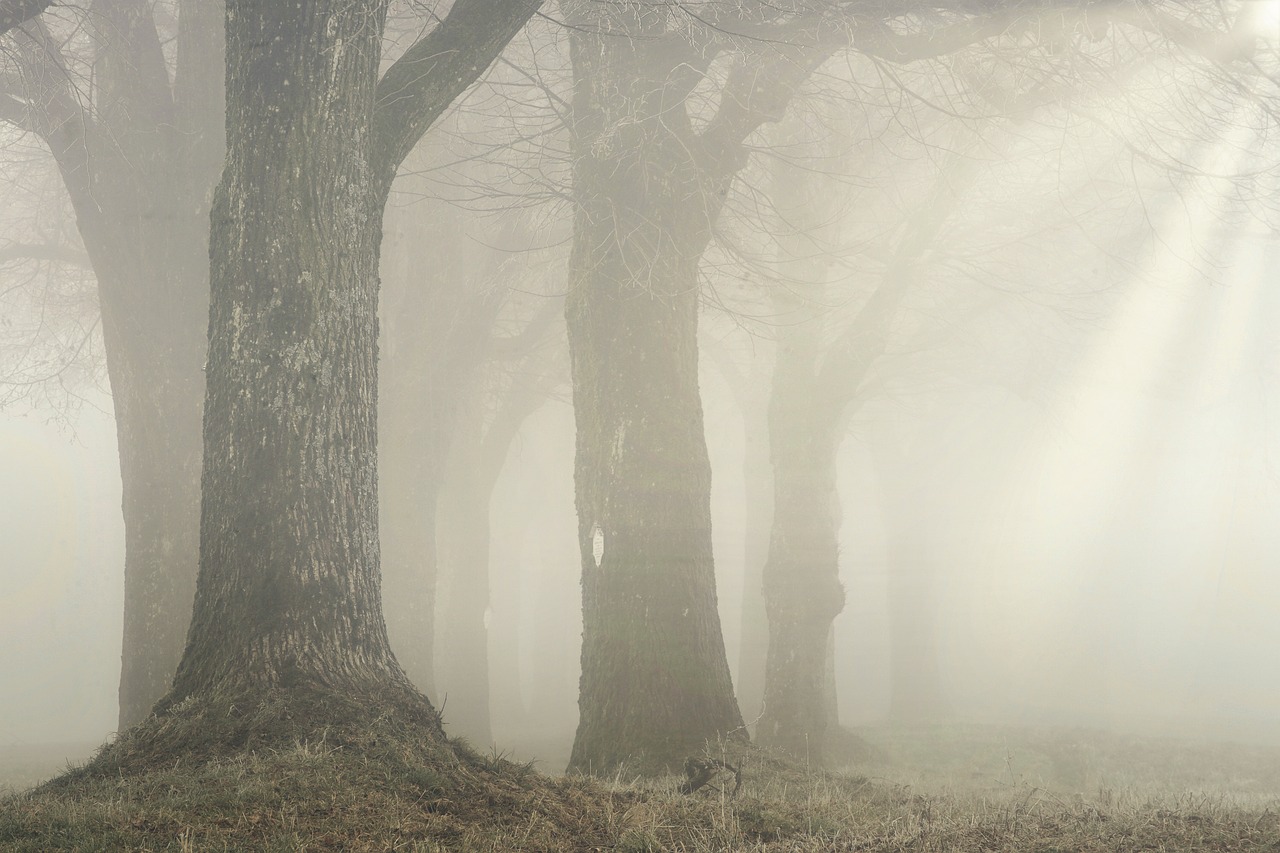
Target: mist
[[680, 379]]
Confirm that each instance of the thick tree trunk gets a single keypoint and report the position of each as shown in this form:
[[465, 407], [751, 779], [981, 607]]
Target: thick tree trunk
[[288, 593], [655, 681]]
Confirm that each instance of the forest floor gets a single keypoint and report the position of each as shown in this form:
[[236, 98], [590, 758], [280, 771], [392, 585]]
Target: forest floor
[[928, 788]]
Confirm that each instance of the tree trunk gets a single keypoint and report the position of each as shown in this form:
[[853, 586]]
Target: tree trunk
[[758, 478], [139, 169], [151, 261], [288, 593], [158, 398], [802, 589], [655, 683]]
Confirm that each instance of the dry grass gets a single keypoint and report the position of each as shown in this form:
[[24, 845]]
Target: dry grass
[[382, 788]]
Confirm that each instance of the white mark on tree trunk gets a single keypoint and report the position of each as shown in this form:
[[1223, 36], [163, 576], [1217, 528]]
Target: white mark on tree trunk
[[597, 544]]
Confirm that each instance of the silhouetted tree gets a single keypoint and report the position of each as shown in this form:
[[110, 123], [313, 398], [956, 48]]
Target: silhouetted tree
[[138, 143]]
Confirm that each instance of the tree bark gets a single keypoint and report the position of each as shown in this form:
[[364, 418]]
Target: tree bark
[[655, 681], [288, 594]]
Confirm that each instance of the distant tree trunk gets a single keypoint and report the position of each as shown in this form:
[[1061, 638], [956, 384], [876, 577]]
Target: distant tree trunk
[[463, 525], [139, 170], [915, 685], [155, 359], [510, 566], [426, 365], [655, 681], [480, 453], [411, 483], [757, 476], [802, 589]]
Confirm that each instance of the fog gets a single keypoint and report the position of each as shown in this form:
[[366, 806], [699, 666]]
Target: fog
[[1103, 554], [1057, 474]]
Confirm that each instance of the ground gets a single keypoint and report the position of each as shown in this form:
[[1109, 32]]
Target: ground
[[946, 787]]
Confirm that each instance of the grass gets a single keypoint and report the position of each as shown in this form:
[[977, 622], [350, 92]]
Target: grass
[[382, 787]]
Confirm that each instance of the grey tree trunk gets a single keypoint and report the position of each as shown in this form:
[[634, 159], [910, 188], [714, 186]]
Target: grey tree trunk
[[139, 169], [289, 594], [655, 682], [802, 589]]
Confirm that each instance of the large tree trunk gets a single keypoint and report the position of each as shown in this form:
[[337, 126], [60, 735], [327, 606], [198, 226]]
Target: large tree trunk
[[655, 681], [288, 593]]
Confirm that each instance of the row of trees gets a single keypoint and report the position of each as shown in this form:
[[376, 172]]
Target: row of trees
[[665, 104]]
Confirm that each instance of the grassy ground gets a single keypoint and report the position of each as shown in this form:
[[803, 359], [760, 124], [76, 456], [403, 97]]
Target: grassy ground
[[935, 788]]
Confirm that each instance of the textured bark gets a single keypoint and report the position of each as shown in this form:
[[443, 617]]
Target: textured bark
[[288, 593], [655, 682]]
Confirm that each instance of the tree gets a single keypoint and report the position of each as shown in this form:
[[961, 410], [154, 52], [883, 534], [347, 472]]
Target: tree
[[288, 595], [648, 186], [665, 99], [139, 146]]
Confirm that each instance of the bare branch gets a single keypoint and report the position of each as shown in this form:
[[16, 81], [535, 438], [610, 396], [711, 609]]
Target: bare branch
[[519, 344], [55, 113], [438, 68]]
